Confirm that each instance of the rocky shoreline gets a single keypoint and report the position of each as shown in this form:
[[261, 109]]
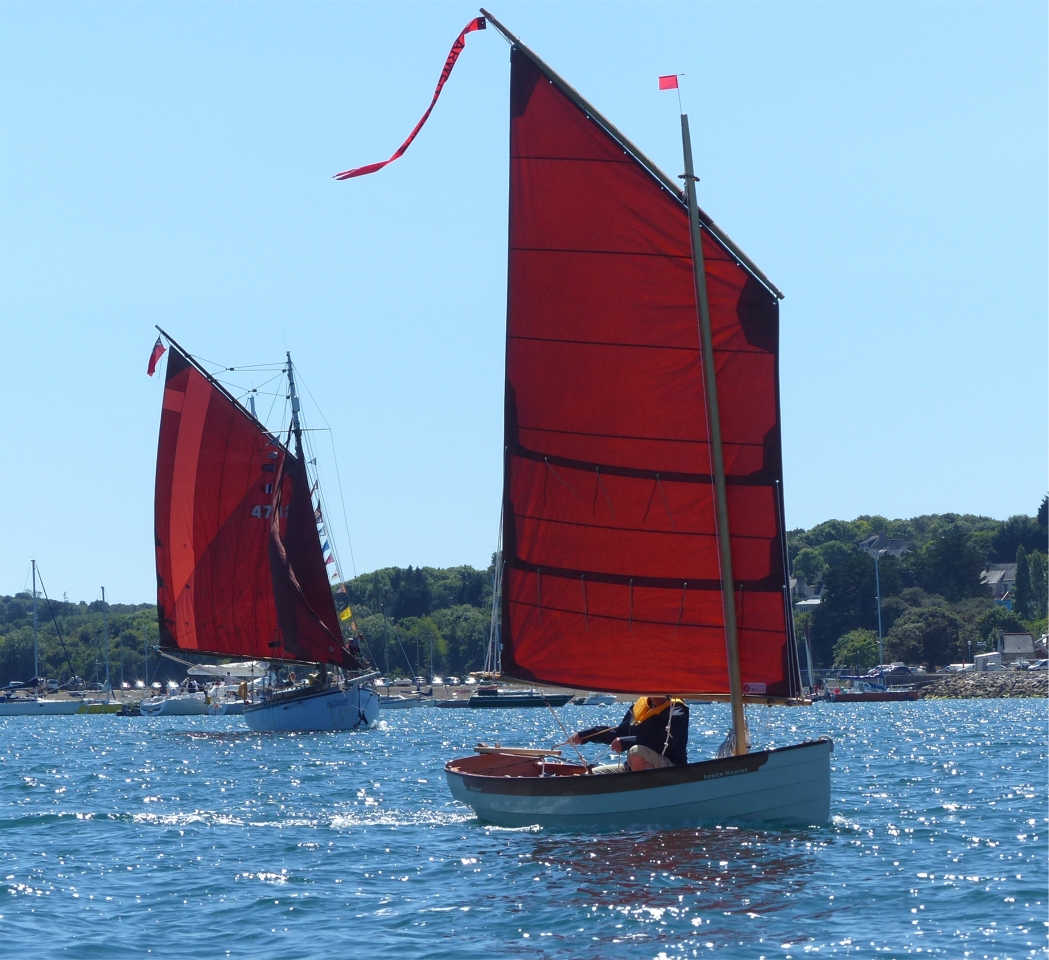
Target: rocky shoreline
[[966, 686]]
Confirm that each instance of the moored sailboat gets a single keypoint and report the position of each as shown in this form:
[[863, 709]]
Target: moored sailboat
[[240, 568]]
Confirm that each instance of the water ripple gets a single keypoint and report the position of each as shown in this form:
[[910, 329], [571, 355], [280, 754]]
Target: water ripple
[[198, 838]]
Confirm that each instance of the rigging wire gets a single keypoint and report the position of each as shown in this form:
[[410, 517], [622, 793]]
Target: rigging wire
[[61, 639], [568, 736], [338, 477]]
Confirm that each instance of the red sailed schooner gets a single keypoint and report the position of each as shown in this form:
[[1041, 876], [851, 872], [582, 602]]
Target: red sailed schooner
[[240, 569], [643, 535]]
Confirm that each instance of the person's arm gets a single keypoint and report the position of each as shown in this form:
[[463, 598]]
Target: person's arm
[[603, 734]]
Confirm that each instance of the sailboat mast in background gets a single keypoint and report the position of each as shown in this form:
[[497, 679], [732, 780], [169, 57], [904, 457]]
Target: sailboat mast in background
[[105, 641], [710, 388], [36, 665]]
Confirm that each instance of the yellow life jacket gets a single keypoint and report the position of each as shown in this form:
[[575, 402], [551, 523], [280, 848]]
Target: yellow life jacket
[[643, 710]]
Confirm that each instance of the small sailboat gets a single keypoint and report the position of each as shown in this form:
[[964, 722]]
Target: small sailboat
[[16, 703], [240, 567], [643, 538]]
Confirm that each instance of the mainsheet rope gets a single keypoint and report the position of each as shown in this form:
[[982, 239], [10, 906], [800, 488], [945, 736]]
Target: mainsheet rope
[[478, 23]]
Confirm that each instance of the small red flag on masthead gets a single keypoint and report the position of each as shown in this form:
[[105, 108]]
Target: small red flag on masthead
[[154, 357], [668, 83]]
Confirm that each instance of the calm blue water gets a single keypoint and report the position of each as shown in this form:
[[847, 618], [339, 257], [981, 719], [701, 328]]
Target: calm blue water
[[190, 837]]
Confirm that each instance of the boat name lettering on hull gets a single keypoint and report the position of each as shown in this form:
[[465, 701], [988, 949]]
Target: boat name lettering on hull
[[725, 773]]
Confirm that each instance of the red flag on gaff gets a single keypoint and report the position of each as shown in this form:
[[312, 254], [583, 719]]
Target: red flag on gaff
[[478, 23], [668, 83], [154, 357]]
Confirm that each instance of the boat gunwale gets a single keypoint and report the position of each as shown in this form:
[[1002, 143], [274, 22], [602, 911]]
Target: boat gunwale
[[583, 785]]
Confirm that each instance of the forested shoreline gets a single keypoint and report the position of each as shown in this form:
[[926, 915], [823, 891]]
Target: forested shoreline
[[934, 608]]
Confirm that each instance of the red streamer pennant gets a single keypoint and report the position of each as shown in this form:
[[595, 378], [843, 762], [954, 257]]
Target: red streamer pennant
[[478, 23]]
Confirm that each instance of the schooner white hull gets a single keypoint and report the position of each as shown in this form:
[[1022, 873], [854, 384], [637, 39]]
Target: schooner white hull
[[331, 709], [789, 786]]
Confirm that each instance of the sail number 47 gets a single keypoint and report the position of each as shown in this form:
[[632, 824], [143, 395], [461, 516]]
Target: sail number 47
[[265, 511]]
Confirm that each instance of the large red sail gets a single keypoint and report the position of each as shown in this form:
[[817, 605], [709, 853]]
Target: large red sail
[[216, 494], [611, 578]]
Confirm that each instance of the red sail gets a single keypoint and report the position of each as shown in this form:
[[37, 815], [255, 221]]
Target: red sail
[[611, 577], [217, 473], [305, 607]]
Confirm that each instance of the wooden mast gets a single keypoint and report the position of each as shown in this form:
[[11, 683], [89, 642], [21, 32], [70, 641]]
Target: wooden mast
[[710, 388]]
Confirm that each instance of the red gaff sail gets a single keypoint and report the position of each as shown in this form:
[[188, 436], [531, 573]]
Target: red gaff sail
[[611, 578], [215, 503]]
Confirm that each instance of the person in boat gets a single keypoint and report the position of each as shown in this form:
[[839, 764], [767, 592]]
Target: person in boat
[[653, 734]]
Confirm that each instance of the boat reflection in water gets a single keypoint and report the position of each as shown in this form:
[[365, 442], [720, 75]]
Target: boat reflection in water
[[711, 865]]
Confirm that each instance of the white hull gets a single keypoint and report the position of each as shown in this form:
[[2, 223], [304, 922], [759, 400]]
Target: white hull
[[39, 708], [182, 705], [595, 700], [404, 703], [790, 785], [331, 709]]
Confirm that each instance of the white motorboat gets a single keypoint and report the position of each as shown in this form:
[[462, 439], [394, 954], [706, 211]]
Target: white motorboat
[[594, 700], [395, 702], [38, 707], [176, 705]]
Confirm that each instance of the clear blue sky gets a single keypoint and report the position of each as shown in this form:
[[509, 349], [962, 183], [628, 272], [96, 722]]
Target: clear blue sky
[[885, 165]]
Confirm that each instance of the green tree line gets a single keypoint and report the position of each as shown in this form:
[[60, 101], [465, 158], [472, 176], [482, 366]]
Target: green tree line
[[417, 619], [934, 609], [405, 616], [71, 641], [408, 615]]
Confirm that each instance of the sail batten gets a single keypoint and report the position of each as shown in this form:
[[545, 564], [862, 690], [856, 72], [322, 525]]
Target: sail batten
[[612, 578]]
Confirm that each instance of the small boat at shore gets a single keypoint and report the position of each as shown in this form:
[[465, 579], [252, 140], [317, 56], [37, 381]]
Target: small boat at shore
[[54, 707], [594, 700], [404, 703], [865, 690], [496, 698], [38, 707], [176, 705]]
